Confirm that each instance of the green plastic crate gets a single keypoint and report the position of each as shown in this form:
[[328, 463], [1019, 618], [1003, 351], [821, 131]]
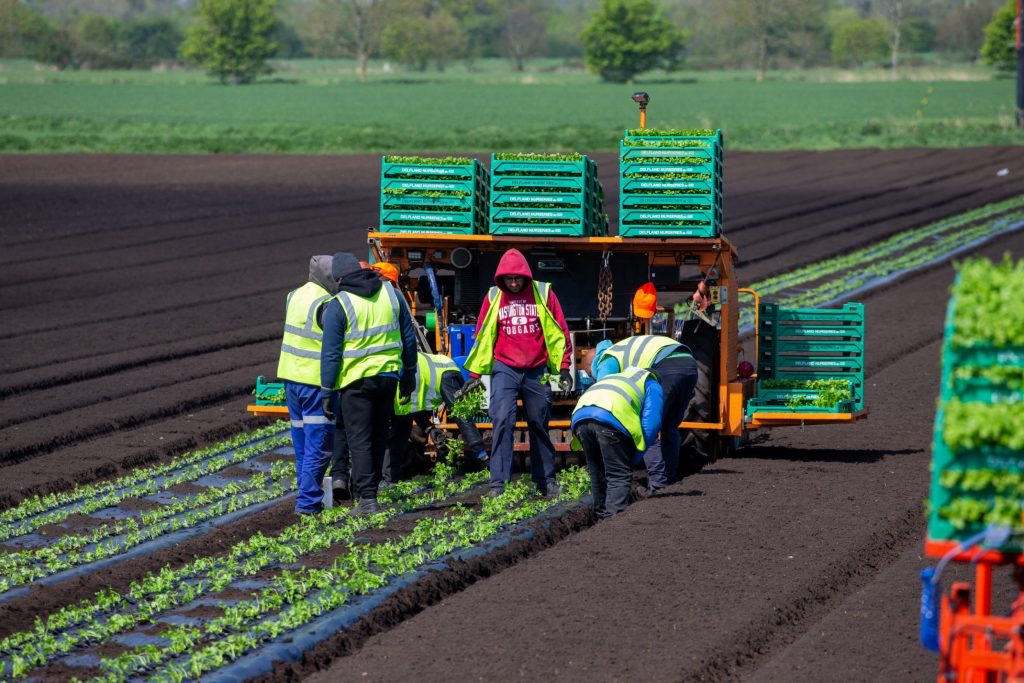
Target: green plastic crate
[[449, 222], [714, 142], [628, 154], [971, 390], [269, 393], [471, 171], [805, 344]]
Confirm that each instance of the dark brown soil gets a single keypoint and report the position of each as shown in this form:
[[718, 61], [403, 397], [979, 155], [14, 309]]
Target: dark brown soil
[[142, 295]]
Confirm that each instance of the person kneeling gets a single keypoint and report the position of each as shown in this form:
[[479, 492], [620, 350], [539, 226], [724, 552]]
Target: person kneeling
[[614, 421]]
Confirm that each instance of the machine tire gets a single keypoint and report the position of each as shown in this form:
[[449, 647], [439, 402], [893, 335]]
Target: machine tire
[[698, 448]]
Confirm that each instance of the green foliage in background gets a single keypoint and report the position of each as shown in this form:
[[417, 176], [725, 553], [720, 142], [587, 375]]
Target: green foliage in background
[[232, 39], [861, 41], [1000, 38], [629, 37]]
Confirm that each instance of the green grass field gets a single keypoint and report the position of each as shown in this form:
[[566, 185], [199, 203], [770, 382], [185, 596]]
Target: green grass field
[[320, 107]]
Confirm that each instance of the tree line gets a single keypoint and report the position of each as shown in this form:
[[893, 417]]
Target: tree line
[[615, 38]]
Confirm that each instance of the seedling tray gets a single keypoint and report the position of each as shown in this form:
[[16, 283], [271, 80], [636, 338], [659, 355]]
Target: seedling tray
[[461, 222], [628, 154], [648, 186], [710, 142], [415, 203], [472, 171], [670, 202]]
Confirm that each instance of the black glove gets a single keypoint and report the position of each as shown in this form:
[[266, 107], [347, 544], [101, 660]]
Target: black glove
[[327, 401], [565, 379], [406, 386]]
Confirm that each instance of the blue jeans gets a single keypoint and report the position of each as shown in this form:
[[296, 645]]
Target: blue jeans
[[609, 455], [313, 439], [678, 377], [508, 384]]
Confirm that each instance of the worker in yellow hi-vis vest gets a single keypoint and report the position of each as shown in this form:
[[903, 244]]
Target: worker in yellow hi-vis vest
[[614, 422], [369, 352], [299, 368]]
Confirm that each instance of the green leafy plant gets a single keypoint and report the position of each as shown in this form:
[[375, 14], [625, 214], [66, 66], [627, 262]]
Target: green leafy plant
[[469, 406], [538, 156], [671, 132], [428, 161], [972, 425], [989, 308]]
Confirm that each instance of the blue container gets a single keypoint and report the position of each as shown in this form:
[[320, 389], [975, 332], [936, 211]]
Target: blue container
[[461, 339]]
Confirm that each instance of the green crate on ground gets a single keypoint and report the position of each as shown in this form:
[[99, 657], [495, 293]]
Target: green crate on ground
[[797, 346], [978, 436], [433, 197]]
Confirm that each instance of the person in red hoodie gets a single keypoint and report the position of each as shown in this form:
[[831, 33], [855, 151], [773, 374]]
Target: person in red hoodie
[[521, 336]]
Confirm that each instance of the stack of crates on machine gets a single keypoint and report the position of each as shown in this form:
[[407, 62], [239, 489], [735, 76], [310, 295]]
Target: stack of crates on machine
[[546, 194], [810, 360], [670, 183], [978, 441], [421, 194]]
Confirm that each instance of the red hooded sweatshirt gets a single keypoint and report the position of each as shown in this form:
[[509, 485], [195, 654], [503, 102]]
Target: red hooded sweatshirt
[[520, 342]]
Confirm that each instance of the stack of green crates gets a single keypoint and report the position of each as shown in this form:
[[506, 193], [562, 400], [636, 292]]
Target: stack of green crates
[[268, 393], [433, 195], [670, 184], [978, 440], [810, 360], [537, 196]]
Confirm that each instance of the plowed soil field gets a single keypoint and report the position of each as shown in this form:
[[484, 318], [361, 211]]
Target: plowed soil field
[[140, 297]]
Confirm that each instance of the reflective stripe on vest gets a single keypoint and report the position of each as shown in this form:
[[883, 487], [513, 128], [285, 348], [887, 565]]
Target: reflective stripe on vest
[[430, 367], [481, 357], [622, 395], [303, 336], [640, 351], [373, 342]]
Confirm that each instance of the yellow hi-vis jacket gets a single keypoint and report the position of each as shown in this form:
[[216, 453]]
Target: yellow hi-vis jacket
[[622, 395], [639, 351], [429, 369], [373, 341], [481, 357], [303, 336]]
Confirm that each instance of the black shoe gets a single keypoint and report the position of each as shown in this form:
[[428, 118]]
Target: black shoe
[[494, 493], [340, 490], [307, 513], [366, 506]]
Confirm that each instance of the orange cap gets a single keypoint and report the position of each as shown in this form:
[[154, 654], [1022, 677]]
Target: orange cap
[[645, 301], [388, 270]]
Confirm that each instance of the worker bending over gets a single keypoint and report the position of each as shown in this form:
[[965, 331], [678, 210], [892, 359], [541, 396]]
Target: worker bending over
[[369, 352], [676, 371], [438, 380], [299, 367], [521, 335], [614, 422]]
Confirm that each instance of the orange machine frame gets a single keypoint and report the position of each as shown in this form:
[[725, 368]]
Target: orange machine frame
[[711, 253], [966, 639]]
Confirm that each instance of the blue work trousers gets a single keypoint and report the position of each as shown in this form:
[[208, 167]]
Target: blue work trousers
[[313, 438], [508, 384], [678, 377]]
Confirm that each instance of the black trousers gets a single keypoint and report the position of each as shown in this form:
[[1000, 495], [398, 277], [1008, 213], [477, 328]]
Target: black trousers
[[366, 408], [609, 455], [398, 436]]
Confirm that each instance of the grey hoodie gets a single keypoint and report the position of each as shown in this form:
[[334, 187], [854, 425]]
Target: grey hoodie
[[320, 272]]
